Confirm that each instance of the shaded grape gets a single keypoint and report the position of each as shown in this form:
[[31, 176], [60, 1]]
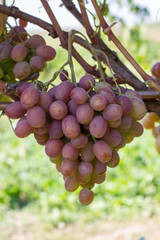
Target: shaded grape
[[55, 129], [112, 137], [41, 137], [114, 124], [68, 168], [125, 103], [54, 147], [114, 161], [72, 107], [45, 100], [87, 153], [63, 91], [98, 179], [108, 94], [5, 51], [69, 152], [126, 122], [71, 184], [63, 75], [42, 130], [80, 141], [99, 167], [21, 87]]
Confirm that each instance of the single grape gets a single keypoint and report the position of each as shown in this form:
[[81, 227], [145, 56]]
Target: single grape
[[153, 117], [23, 129], [52, 92], [125, 103], [57, 159], [126, 122], [131, 93], [36, 116], [138, 109], [98, 126], [5, 51], [84, 113], [147, 123], [72, 107], [55, 129], [102, 151], [114, 124], [63, 75], [80, 141], [79, 95], [85, 168], [98, 179], [54, 147], [46, 52], [114, 161], [99, 167], [22, 70], [41, 138], [136, 129], [18, 34], [35, 41], [19, 52], [29, 97], [70, 127], [63, 91], [45, 100], [58, 110], [113, 112], [21, 87], [108, 94], [68, 168], [15, 110], [84, 82], [98, 102], [86, 196], [42, 130], [87, 153], [69, 152], [37, 63], [112, 137], [71, 184]]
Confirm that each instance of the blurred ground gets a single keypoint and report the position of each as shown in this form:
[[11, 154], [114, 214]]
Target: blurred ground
[[24, 226]]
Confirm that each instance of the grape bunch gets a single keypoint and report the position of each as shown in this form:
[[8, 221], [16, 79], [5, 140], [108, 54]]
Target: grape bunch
[[21, 56], [82, 127]]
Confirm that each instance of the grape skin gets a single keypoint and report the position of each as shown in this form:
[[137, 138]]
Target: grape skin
[[79, 95], [46, 52], [70, 126], [23, 129], [36, 116], [22, 70], [113, 112], [86, 196], [69, 153], [58, 110], [63, 91], [98, 127], [53, 147], [98, 102], [84, 113], [29, 97], [84, 82], [55, 129], [15, 110], [19, 52], [87, 153], [35, 41], [102, 151]]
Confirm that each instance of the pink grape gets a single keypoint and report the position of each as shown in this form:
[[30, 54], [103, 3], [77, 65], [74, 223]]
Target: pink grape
[[55, 129], [22, 70], [113, 112], [80, 141], [98, 102], [70, 126], [84, 113], [62, 75], [85, 168], [58, 110], [45, 100], [87, 153], [42, 130], [71, 184], [15, 110], [72, 107], [125, 103], [114, 161], [79, 95], [69, 152], [54, 147], [86, 196], [138, 109], [98, 126], [46, 52], [112, 137], [99, 167], [108, 94], [84, 82], [52, 92], [23, 129], [18, 34], [102, 151], [29, 97], [35, 41], [98, 179], [21, 87], [41, 137], [68, 168], [63, 91], [126, 122], [36, 116], [19, 52], [5, 51], [37, 63]]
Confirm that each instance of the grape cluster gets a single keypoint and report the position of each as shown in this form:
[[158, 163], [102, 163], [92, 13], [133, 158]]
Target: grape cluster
[[82, 127], [20, 55]]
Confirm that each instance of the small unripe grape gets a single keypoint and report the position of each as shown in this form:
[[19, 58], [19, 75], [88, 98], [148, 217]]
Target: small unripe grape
[[63, 75], [86, 196]]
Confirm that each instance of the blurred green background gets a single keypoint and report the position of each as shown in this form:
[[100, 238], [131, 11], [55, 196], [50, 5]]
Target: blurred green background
[[32, 194]]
